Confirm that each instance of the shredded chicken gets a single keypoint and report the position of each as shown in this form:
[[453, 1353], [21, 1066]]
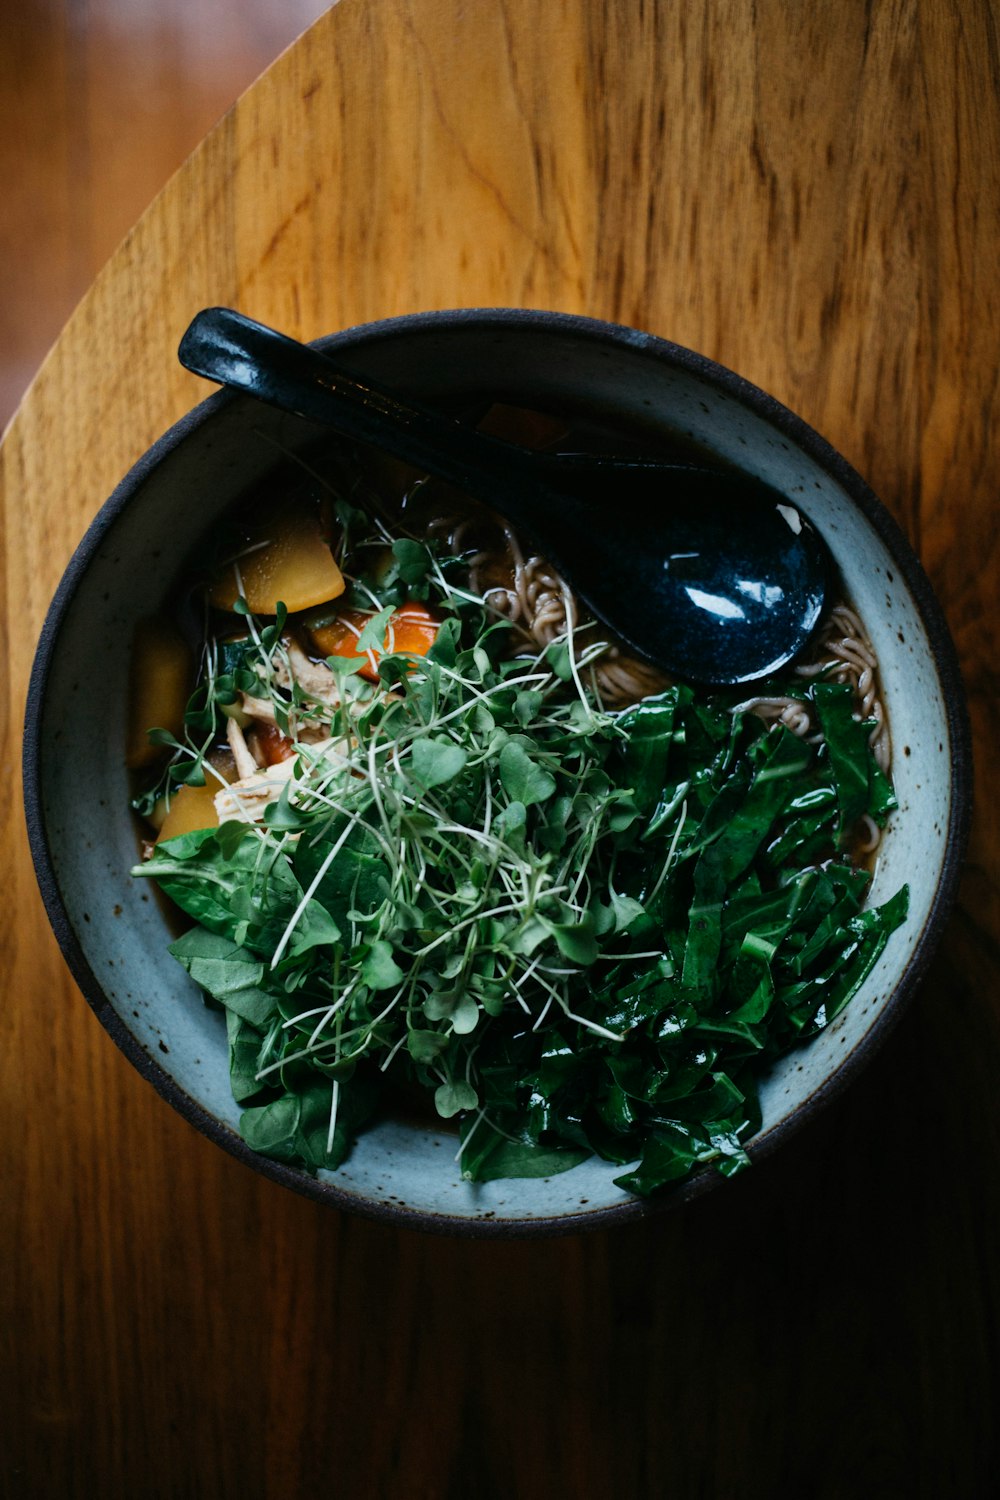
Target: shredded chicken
[[261, 709], [315, 678], [258, 784], [245, 800], [246, 765]]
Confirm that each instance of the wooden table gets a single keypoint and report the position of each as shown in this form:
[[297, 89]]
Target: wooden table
[[99, 103], [812, 196]]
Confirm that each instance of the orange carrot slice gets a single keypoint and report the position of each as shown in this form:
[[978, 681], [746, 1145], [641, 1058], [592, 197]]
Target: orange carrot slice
[[412, 629]]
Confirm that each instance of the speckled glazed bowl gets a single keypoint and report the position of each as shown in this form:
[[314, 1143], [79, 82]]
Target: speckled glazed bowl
[[114, 935]]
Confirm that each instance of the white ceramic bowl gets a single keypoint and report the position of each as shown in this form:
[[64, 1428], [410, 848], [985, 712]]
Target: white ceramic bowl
[[112, 931]]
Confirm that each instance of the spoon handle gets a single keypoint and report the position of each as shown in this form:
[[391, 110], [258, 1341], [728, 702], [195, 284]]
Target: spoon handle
[[234, 350]]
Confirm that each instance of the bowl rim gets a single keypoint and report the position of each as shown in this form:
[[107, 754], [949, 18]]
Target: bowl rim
[[785, 422]]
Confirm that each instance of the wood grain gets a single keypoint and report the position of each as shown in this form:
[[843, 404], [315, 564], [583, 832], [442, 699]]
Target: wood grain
[[100, 101], [810, 195]]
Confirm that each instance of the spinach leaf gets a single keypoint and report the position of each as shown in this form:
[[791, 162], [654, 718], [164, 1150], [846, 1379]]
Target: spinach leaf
[[244, 1050], [295, 1127], [488, 1156], [847, 744], [648, 730], [227, 971], [247, 896], [357, 879]]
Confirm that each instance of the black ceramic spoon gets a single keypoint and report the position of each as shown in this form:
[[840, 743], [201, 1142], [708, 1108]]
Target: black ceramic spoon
[[714, 576]]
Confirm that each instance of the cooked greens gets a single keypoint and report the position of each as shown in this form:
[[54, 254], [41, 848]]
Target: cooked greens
[[570, 930]]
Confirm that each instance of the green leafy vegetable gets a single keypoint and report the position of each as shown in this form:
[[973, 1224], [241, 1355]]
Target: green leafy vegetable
[[572, 930]]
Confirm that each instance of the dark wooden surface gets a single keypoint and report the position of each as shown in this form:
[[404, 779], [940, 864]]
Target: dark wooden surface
[[810, 194]]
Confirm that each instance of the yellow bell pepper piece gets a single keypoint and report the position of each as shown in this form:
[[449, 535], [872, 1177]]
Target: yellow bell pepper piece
[[286, 560], [159, 686]]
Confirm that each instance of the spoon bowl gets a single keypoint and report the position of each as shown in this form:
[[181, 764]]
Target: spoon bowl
[[729, 578]]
